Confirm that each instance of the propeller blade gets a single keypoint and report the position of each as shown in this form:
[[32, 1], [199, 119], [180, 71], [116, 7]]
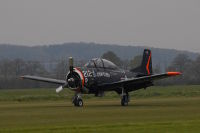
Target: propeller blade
[[59, 89], [71, 67]]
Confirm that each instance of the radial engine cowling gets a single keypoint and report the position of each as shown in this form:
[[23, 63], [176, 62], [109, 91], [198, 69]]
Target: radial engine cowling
[[75, 80]]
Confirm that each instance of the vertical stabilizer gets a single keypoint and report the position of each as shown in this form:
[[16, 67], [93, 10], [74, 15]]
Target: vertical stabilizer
[[146, 66]]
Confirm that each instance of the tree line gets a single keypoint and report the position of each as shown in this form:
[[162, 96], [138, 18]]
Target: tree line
[[11, 70]]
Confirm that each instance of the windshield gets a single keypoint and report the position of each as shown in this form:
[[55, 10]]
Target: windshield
[[109, 64], [101, 63]]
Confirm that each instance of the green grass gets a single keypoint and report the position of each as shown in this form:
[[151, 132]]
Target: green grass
[[50, 95], [159, 109]]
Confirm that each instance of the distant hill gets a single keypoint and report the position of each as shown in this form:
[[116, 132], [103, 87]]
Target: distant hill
[[85, 51]]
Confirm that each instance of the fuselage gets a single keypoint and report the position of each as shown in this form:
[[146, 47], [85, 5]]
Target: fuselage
[[91, 78], [96, 72]]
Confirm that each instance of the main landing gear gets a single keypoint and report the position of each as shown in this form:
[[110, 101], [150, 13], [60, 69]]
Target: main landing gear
[[78, 100], [124, 98]]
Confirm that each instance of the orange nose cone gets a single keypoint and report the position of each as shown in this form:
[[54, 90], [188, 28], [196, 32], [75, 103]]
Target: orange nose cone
[[173, 73]]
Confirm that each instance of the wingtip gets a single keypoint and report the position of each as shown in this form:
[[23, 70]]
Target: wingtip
[[173, 73]]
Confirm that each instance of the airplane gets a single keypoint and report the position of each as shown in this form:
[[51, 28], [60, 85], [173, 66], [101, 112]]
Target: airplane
[[100, 75]]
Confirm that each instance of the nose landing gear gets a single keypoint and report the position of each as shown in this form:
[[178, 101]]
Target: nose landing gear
[[77, 101]]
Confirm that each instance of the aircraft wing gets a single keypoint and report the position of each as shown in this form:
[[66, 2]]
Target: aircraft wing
[[140, 79], [42, 79]]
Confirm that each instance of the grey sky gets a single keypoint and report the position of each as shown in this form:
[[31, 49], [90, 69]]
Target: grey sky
[[157, 23]]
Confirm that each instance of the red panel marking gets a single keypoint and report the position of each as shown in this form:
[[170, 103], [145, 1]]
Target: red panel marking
[[83, 79], [147, 67], [173, 73]]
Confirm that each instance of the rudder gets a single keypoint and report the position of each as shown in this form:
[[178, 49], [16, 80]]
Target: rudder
[[146, 66]]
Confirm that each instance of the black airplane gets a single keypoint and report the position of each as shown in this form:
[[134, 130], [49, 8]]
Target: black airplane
[[100, 75]]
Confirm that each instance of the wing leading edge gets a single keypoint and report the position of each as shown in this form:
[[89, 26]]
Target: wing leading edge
[[123, 83], [42, 79]]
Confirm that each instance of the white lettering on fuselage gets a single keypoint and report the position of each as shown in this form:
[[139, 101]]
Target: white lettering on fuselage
[[89, 74], [103, 74]]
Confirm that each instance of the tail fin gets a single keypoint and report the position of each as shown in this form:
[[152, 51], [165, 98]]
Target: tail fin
[[146, 66]]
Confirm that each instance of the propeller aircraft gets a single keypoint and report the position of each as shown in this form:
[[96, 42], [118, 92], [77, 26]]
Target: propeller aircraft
[[100, 75]]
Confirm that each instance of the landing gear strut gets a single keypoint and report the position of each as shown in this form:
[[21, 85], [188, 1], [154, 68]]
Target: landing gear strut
[[124, 98], [78, 100]]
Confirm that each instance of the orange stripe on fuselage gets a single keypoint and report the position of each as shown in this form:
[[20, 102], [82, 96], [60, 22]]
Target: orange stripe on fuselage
[[147, 66]]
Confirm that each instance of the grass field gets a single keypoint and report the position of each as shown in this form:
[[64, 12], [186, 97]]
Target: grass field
[[158, 109]]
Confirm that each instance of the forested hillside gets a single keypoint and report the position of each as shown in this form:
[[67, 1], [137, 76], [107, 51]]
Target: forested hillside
[[85, 51], [51, 61]]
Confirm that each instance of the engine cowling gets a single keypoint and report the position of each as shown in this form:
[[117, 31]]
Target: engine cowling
[[73, 80], [76, 80]]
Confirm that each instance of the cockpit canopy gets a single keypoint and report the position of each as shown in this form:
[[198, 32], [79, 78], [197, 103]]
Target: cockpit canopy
[[101, 63]]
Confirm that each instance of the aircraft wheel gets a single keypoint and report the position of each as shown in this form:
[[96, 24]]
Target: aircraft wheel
[[124, 100], [78, 102]]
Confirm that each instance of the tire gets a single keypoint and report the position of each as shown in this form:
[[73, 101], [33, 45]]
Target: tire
[[124, 101], [79, 103]]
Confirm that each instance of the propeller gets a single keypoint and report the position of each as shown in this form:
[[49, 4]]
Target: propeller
[[71, 67], [59, 89]]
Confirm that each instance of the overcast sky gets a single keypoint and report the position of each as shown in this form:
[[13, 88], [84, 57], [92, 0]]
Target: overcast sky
[[157, 23]]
